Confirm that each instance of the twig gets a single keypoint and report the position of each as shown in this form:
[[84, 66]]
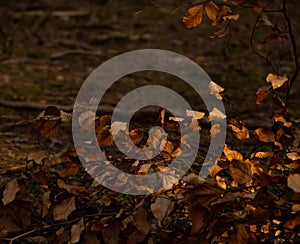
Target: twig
[[294, 46]]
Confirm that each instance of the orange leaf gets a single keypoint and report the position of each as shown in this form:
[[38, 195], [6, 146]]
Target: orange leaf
[[239, 130], [232, 154], [193, 17], [220, 33], [64, 209], [211, 10], [264, 136]]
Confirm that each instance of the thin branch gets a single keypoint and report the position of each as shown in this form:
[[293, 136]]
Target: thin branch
[[294, 46]]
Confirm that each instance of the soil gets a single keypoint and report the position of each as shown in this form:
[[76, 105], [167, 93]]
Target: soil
[[55, 45]]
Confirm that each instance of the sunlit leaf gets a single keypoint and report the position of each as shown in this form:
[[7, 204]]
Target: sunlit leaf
[[212, 10], [293, 182], [215, 89], [276, 80], [193, 17]]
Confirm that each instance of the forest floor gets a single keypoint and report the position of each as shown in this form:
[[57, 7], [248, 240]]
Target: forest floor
[[56, 45]]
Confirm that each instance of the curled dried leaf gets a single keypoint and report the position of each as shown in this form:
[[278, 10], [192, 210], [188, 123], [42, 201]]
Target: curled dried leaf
[[262, 93], [193, 17], [277, 81]]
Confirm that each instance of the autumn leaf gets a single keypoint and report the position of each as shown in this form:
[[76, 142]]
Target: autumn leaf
[[193, 17], [293, 182], [292, 223], [231, 17], [64, 209], [10, 191], [240, 171], [232, 154], [76, 230], [239, 130], [239, 235], [220, 33], [162, 207], [46, 203], [212, 10], [195, 114], [276, 81], [141, 220], [215, 89], [216, 114], [198, 216], [262, 93], [280, 118], [264, 135]]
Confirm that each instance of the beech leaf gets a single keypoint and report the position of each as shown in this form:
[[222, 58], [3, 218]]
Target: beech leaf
[[193, 17]]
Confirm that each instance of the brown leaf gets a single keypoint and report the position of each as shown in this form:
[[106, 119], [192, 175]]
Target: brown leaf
[[37, 156], [212, 10], [104, 136], [240, 171], [64, 209], [194, 114], [141, 221], [280, 118], [47, 123], [46, 203], [292, 223], [204, 193], [262, 93], [198, 216], [293, 182], [162, 207], [136, 135], [86, 120], [193, 17], [274, 37], [7, 225], [277, 81], [239, 235], [262, 155], [220, 33], [73, 189], [232, 154], [231, 17], [136, 237], [70, 169], [10, 191], [76, 230]]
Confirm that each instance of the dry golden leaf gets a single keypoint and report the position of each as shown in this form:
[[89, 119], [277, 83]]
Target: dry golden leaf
[[216, 114], [194, 114], [76, 230], [293, 182], [212, 10], [10, 191], [262, 155], [239, 130], [276, 80], [232, 154], [296, 208], [162, 113], [240, 171], [225, 10], [280, 118], [264, 136], [214, 170], [64, 209], [293, 156], [231, 17], [262, 93], [215, 129], [215, 89], [162, 207], [193, 17]]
